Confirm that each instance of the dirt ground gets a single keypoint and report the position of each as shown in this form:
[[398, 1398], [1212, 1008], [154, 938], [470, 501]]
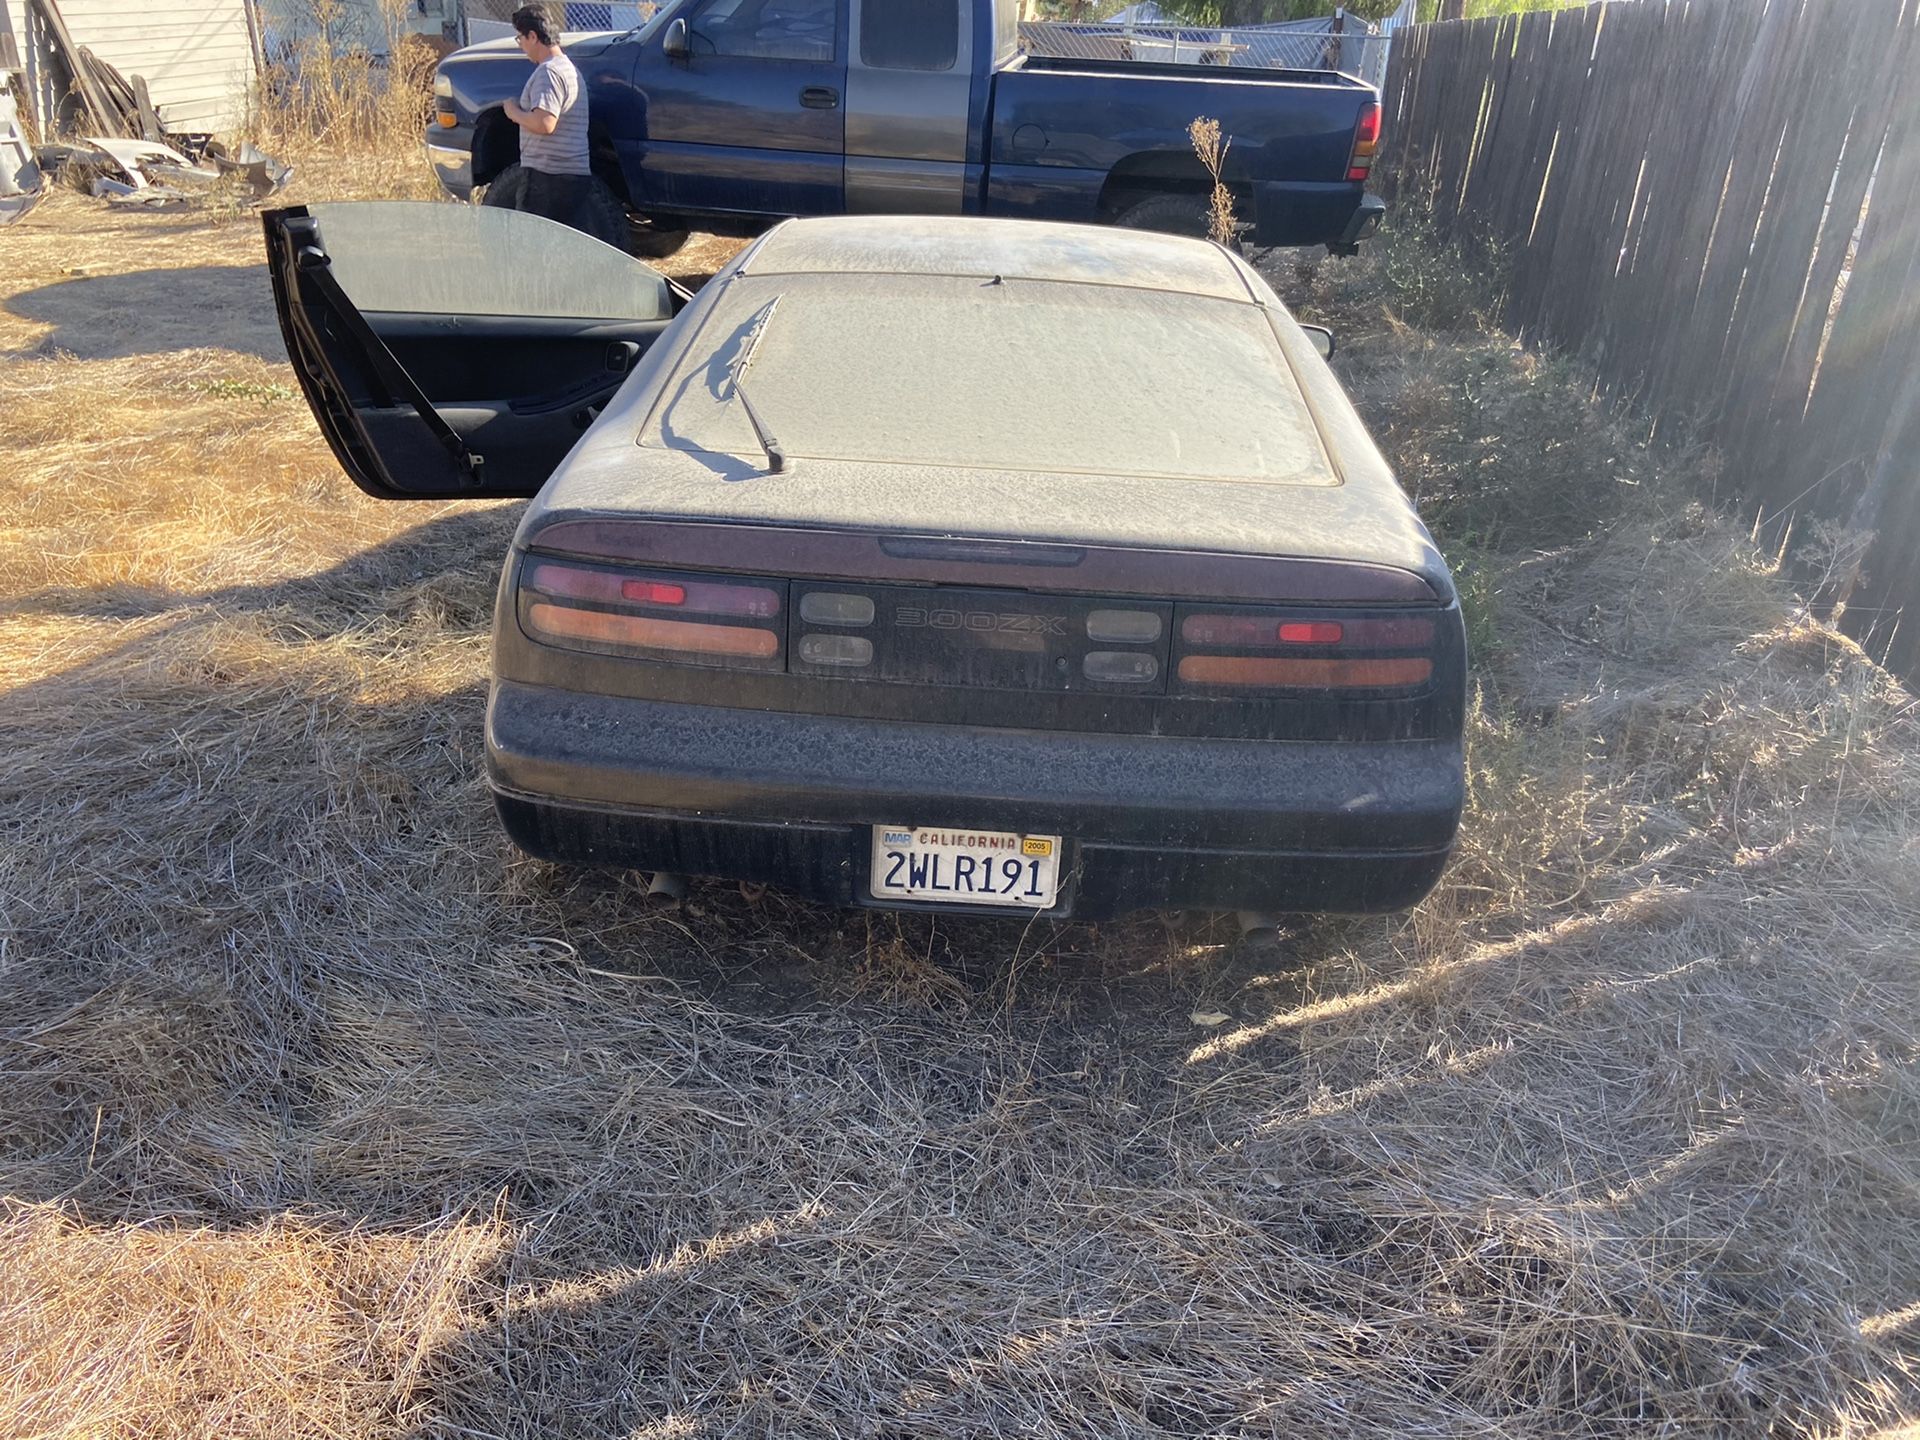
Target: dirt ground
[[325, 1113]]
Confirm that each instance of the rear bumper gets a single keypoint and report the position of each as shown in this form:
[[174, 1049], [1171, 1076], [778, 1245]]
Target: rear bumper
[[1151, 822], [1294, 212]]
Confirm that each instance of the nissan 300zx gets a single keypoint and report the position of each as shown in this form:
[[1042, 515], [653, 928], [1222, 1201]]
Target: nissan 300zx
[[914, 562]]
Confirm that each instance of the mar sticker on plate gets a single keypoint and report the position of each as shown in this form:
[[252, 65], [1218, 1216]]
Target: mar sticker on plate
[[966, 867]]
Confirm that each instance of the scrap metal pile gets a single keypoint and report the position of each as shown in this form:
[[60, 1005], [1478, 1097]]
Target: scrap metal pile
[[150, 175], [129, 160]]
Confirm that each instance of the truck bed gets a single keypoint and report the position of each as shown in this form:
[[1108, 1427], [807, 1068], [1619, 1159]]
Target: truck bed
[[1068, 136], [1181, 70]]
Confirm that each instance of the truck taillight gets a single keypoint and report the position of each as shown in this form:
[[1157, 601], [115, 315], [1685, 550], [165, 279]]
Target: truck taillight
[[691, 619], [1263, 649], [1366, 142]]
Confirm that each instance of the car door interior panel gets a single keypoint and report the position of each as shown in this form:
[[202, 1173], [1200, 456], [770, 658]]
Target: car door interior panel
[[463, 354]]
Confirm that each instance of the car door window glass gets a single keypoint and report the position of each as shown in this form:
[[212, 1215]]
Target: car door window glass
[[420, 258], [768, 29], [910, 34]]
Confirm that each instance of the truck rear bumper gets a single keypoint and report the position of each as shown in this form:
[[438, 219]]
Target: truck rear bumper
[[1299, 212], [1149, 822]]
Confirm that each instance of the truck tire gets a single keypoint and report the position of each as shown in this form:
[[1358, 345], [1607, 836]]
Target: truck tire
[[651, 239], [1176, 214], [602, 216]]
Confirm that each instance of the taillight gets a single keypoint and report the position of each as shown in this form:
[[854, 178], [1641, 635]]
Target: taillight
[[695, 620], [1293, 673], [1258, 649], [1366, 141], [1267, 629]]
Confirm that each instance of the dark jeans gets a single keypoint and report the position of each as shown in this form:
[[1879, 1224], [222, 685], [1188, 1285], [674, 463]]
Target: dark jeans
[[581, 201]]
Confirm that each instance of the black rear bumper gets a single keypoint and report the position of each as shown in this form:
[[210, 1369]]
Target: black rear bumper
[[1298, 212], [829, 863], [1150, 821]]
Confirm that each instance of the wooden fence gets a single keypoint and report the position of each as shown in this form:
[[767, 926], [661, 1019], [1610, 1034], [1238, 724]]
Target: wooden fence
[[1718, 203]]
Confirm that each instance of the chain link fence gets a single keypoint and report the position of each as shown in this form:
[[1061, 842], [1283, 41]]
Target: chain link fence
[[1140, 33], [1292, 45], [490, 19]]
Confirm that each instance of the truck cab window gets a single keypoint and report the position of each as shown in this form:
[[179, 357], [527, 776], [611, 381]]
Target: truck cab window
[[768, 29], [910, 34]]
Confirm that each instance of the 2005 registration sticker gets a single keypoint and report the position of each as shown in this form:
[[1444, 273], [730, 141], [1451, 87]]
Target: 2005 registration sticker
[[967, 867]]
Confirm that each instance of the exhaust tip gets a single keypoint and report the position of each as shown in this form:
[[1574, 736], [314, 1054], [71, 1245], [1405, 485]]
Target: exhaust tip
[[1259, 925]]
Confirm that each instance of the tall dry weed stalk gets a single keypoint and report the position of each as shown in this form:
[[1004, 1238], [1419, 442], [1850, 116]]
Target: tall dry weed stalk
[[349, 81], [1207, 144]]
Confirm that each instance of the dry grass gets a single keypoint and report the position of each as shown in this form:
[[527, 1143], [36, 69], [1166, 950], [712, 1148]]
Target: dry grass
[[351, 95], [326, 1114]]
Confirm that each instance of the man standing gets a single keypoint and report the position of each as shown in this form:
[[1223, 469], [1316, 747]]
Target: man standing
[[555, 177]]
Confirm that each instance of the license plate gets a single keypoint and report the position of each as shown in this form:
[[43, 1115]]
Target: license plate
[[965, 867]]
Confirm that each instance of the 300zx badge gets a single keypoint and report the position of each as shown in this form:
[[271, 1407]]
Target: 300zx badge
[[918, 617]]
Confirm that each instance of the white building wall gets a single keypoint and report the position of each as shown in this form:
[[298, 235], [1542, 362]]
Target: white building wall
[[196, 55]]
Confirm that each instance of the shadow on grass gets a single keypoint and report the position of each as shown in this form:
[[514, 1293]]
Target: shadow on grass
[[155, 312], [459, 553]]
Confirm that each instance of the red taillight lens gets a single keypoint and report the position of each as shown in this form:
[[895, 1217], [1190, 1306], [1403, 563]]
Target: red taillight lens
[[614, 611], [576, 582], [1260, 630], [1298, 652], [1366, 142], [653, 592]]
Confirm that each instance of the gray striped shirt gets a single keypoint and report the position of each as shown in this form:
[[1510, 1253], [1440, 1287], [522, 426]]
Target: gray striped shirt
[[555, 87]]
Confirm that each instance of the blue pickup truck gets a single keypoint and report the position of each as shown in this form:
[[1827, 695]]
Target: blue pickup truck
[[726, 115]]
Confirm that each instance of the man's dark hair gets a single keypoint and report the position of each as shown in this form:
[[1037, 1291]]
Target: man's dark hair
[[540, 20]]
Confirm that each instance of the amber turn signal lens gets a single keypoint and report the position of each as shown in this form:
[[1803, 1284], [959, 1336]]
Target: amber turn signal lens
[[643, 632], [1295, 674]]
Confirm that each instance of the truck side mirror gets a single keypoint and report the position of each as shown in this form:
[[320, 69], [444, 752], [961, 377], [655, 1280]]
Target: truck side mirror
[[1321, 339], [676, 45]]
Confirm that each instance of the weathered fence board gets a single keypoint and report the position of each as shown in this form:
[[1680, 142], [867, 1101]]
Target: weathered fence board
[[1718, 203]]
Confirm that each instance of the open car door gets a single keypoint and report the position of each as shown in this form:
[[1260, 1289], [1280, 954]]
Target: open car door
[[454, 350]]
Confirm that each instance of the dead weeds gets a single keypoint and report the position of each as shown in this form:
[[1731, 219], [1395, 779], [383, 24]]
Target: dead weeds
[[327, 1114]]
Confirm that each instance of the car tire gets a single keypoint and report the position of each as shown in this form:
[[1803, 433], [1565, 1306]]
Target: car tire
[[1175, 214]]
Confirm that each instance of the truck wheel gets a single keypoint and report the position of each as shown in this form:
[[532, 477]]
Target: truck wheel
[[601, 215], [505, 191], [1175, 214], [651, 239]]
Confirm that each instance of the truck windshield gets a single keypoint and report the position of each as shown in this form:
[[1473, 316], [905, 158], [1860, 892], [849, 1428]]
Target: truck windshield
[[1007, 375]]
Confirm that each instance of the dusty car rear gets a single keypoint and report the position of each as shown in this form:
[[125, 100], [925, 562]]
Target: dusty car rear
[[983, 564]]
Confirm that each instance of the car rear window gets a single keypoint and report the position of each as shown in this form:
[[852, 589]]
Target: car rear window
[[993, 374]]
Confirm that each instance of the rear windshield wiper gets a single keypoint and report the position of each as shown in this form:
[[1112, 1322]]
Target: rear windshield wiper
[[776, 457]]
